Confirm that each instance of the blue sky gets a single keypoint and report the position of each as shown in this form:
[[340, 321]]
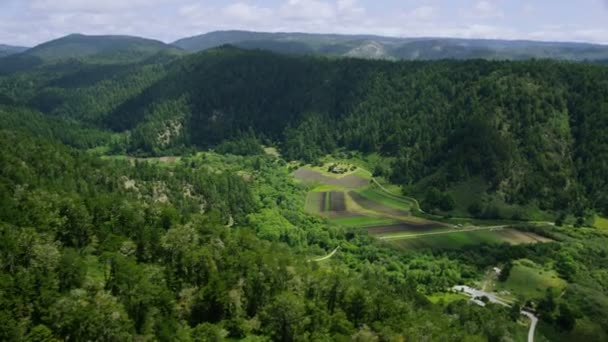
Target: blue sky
[[29, 22]]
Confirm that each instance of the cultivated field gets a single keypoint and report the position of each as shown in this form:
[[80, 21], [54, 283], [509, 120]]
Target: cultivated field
[[365, 221], [406, 227], [377, 206], [351, 201], [315, 202], [461, 239], [351, 181], [329, 203]]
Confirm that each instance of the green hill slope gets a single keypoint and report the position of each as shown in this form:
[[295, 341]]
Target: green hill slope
[[92, 49], [532, 131], [7, 50]]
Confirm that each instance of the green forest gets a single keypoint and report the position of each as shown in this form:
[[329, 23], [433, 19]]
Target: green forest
[[153, 198]]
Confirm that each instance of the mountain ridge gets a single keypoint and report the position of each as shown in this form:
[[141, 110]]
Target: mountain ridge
[[7, 50], [409, 48], [96, 49]]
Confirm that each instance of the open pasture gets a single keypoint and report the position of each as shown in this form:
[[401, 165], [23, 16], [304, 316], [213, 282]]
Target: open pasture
[[530, 280]]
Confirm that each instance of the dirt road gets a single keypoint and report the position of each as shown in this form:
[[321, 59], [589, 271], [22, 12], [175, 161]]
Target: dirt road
[[474, 293]]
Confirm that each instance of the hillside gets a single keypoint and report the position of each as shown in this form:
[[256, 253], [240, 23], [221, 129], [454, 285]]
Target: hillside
[[245, 195], [6, 50], [92, 49], [376, 47], [532, 124], [531, 131]]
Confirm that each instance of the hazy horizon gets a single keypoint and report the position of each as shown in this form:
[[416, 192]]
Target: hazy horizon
[[31, 22]]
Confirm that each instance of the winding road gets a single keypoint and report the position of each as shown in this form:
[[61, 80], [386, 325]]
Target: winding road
[[534, 322], [327, 256], [474, 293]]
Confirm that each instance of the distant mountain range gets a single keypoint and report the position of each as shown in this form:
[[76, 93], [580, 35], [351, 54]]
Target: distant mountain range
[[7, 50], [369, 46], [93, 49], [127, 49]]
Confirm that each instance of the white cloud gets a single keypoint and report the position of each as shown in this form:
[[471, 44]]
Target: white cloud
[[530, 9], [484, 9], [310, 10], [92, 5], [423, 13], [247, 13]]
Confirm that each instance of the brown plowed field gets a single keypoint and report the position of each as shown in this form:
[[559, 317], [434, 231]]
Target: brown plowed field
[[350, 181], [336, 201], [404, 228]]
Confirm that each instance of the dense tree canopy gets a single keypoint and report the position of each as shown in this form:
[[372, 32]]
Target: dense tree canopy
[[532, 129], [99, 240]]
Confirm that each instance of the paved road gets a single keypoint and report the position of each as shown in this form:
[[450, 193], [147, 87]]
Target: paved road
[[534, 320], [327, 256], [497, 300]]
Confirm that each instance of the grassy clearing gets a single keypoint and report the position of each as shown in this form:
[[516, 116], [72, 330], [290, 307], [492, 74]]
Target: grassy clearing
[[324, 171], [446, 297], [530, 280], [327, 201], [413, 232], [313, 202], [364, 221], [585, 330], [379, 196], [308, 175], [458, 240], [326, 188], [272, 151], [367, 161], [600, 222], [354, 207]]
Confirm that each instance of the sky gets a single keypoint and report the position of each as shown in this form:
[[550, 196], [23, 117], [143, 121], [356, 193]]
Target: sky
[[30, 22]]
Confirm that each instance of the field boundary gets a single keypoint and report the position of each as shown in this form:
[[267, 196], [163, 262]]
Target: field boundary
[[465, 230]]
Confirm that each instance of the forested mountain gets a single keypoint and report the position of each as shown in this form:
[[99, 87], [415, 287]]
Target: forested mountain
[[96, 249], [137, 201], [537, 124], [368, 46], [533, 121], [92, 49], [6, 50]]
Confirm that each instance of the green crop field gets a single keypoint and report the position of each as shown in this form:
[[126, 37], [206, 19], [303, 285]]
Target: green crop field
[[412, 231], [364, 221], [314, 201], [459, 240], [601, 222], [325, 188], [530, 280], [379, 196]]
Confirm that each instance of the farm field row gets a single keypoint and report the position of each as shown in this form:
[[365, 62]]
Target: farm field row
[[463, 239], [388, 217]]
